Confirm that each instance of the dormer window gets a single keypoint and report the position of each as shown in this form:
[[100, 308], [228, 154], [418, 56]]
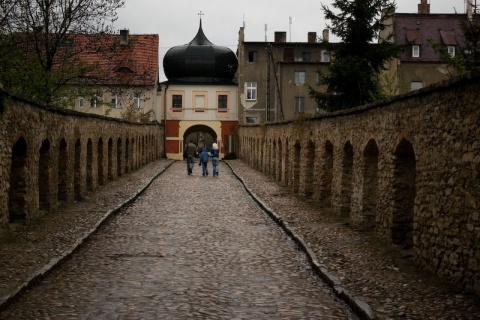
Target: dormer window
[[416, 51], [451, 51], [449, 39]]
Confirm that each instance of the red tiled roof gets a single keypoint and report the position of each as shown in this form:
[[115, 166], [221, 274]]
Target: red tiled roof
[[133, 64]]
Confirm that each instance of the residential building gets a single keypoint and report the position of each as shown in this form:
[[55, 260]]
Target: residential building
[[199, 99], [126, 77], [274, 77], [419, 65]]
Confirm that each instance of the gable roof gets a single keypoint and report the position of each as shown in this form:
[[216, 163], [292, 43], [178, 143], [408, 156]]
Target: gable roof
[[134, 63], [420, 28]]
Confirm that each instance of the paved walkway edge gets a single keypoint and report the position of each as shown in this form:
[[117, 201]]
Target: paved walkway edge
[[361, 308], [65, 255]]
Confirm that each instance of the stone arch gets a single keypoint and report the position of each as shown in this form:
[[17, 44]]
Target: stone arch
[[201, 135], [17, 202], [44, 176], [62, 192], [261, 149], [280, 161], [134, 154], [370, 184], [327, 175], [127, 155], [297, 149], [347, 179], [100, 173], [89, 164], [110, 159], [267, 155], [77, 171], [403, 194], [119, 157], [274, 161], [309, 169], [286, 163]]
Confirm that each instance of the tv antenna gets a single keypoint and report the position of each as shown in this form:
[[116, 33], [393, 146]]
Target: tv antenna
[[290, 27]]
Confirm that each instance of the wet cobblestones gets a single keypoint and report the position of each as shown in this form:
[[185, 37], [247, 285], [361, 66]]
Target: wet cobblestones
[[190, 247], [377, 274]]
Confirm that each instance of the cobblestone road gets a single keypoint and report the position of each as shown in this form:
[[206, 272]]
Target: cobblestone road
[[190, 247]]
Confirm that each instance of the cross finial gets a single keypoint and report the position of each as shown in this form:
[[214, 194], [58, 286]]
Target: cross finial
[[201, 14]]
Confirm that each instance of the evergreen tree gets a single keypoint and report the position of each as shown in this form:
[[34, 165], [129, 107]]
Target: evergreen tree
[[353, 77]]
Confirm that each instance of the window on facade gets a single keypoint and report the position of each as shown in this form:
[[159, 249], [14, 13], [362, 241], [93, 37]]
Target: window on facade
[[288, 54], [138, 100], [116, 101], [251, 90], [299, 104], [306, 56], [252, 56], [200, 103], [318, 78], [451, 51], [299, 77], [81, 102], [415, 85], [415, 51], [325, 56], [251, 119], [94, 102], [222, 102], [177, 101]]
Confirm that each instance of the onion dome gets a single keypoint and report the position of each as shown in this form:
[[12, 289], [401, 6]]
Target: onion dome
[[200, 61]]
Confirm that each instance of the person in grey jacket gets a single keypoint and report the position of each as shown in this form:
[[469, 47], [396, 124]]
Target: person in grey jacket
[[189, 154]]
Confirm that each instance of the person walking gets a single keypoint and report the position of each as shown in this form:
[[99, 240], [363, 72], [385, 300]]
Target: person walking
[[215, 158], [204, 161], [189, 154]]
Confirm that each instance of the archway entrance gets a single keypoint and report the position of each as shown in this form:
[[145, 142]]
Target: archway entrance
[[201, 135]]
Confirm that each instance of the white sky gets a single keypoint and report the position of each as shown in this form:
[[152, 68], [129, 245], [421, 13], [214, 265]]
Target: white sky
[[176, 22]]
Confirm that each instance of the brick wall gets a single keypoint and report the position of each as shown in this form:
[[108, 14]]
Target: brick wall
[[51, 157], [407, 168]]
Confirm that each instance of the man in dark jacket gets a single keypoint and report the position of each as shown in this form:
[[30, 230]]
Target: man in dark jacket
[[189, 154]]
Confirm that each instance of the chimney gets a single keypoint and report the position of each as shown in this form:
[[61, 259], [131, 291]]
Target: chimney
[[280, 36], [326, 35], [470, 10], [312, 37], [124, 37], [424, 7]]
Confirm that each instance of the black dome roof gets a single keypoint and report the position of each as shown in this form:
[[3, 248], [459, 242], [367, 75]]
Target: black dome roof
[[200, 61]]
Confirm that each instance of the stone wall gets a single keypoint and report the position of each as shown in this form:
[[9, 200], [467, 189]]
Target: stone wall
[[407, 168], [52, 157]]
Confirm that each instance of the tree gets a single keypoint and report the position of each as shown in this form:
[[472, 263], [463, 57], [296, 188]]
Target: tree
[[466, 57], [37, 58], [353, 77]]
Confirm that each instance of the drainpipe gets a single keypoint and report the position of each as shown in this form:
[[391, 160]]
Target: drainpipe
[[165, 121]]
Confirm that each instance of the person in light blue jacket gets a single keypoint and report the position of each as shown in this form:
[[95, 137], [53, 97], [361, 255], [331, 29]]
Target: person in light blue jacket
[[204, 155], [215, 158]]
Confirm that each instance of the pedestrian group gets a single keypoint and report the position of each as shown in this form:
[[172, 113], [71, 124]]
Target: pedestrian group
[[190, 153]]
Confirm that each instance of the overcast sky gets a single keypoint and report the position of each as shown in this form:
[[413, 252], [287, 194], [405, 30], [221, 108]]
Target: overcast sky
[[176, 22]]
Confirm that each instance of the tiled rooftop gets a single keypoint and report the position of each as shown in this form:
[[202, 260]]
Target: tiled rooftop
[[134, 64], [442, 28]]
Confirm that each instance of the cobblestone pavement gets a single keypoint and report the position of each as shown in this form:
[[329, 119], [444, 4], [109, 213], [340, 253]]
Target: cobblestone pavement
[[189, 247], [377, 273]]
